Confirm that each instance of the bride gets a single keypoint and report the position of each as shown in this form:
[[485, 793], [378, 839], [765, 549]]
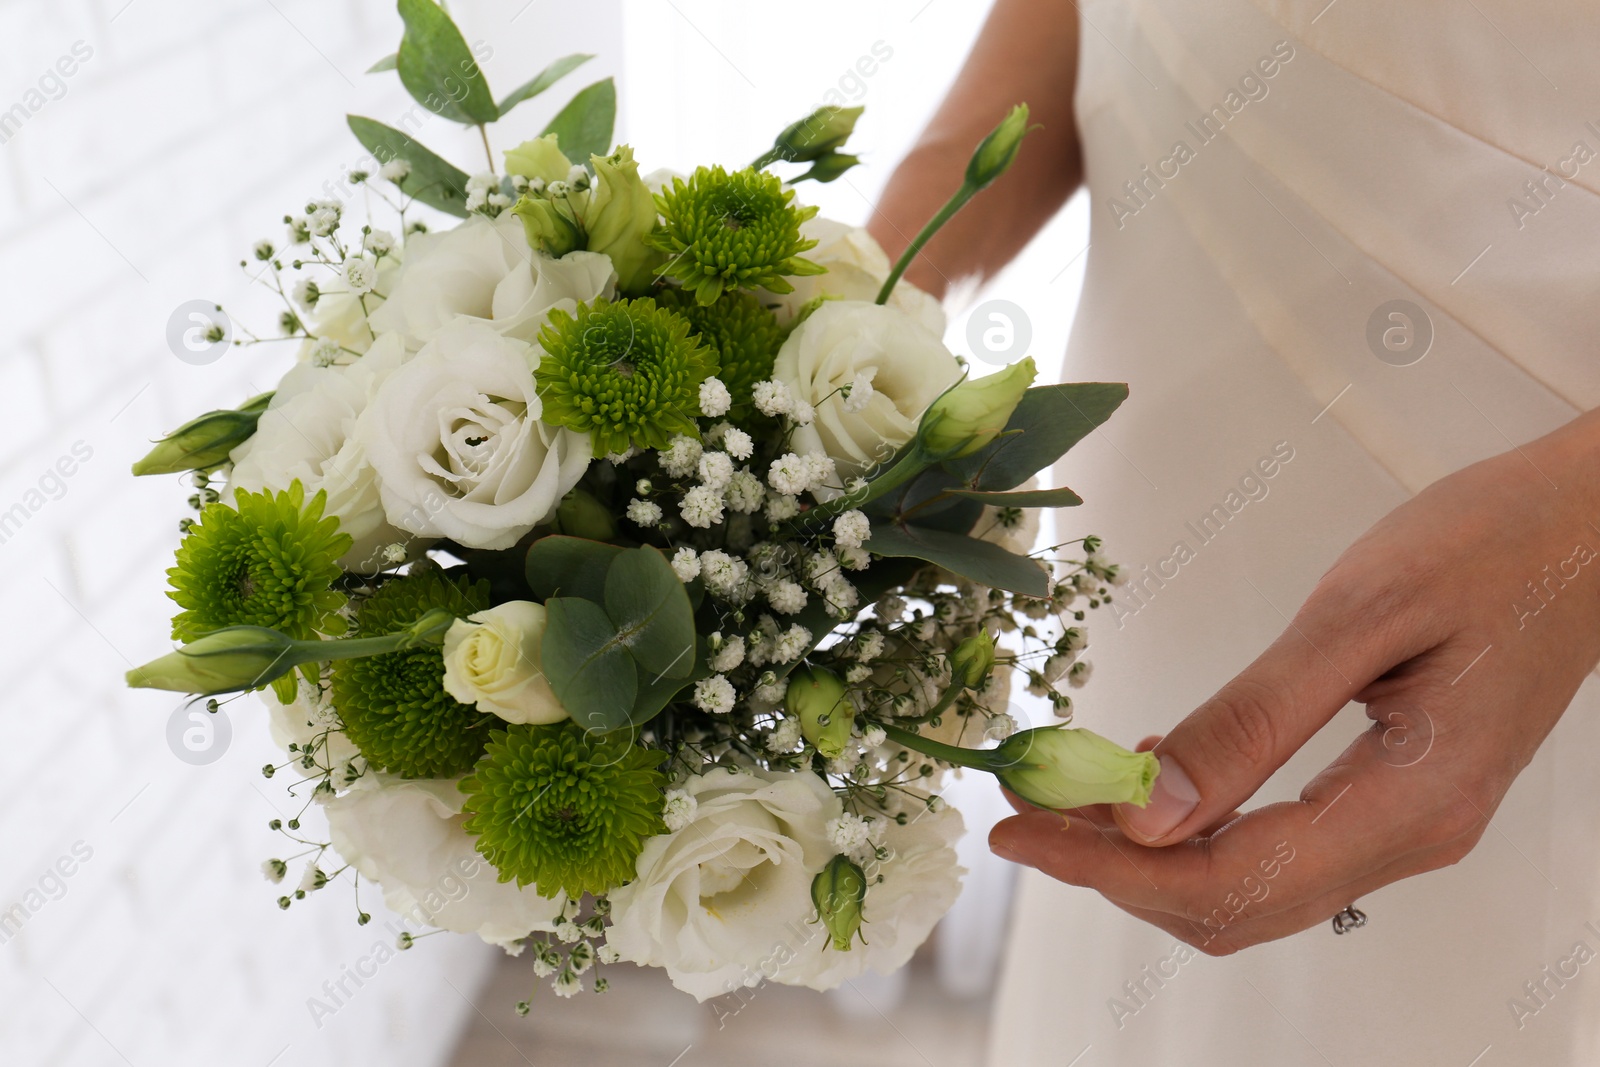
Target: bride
[[1347, 255]]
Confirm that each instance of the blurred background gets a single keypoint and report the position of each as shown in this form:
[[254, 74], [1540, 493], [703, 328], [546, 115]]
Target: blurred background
[[135, 926]]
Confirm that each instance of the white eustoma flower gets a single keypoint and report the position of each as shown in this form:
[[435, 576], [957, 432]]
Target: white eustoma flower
[[857, 267], [908, 364], [484, 269], [457, 443], [407, 835], [493, 659], [308, 434], [717, 902]]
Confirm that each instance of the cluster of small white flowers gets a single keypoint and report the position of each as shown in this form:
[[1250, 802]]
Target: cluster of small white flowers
[[380, 242], [851, 529], [729, 652], [770, 689], [715, 400], [325, 352], [792, 474], [860, 393], [396, 170], [869, 646], [681, 456], [644, 512], [724, 575], [484, 195], [715, 469], [772, 398], [322, 217], [714, 695], [785, 736], [679, 809], [746, 494], [738, 443], [850, 834], [782, 507], [360, 275], [686, 564], [785, 596], [702, 507], [791, 644]]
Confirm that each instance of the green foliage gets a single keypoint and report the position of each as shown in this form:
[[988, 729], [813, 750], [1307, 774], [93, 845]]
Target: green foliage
[[745, 336], [1048, 421], [432, 180], [583, 128], [543, 80], [437, 67], [980, 561]]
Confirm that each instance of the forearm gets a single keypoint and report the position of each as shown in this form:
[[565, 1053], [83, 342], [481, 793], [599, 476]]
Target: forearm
[[1027, 53]]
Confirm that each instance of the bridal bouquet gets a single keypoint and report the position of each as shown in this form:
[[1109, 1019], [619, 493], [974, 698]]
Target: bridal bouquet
[[625, 565]]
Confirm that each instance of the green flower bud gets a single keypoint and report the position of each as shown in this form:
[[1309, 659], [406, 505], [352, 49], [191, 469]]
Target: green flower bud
[[1057, 767], [998, 150], [974, 412], [204, 442], [837, 891], [972, 660], [816, 135], [819, 699], [581, 515], [223, 661], [829, 167], [621, 213], [539, 158], [549, 225]]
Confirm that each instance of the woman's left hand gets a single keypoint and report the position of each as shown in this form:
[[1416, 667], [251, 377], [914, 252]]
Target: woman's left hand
[[1465, 621]]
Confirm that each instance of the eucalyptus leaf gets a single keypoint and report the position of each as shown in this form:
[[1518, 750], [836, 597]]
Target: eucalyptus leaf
[[650, 609], [656, 691], [569, 566], [1024, 498], [438, 68], [386, 63], [543, 80], [1048, 421], [587, 664], [432, 180], [583, 128], [979, 561]]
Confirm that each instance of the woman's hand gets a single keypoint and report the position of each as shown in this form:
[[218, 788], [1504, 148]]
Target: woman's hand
[[1465, 621]]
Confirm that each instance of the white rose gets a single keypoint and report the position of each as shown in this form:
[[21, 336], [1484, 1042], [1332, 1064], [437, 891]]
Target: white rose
[[456, 441], [921, 880], [492, 659], [857, 268], [307, 434], [407, 835], [907, 365], [719, 902], [484, 269]]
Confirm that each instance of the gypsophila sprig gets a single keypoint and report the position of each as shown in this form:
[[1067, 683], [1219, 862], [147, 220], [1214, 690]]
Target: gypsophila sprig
[[744, 334], [564, 810], [725, 231], [626, 372]]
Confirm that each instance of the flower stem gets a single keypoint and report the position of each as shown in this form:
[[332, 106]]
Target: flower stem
[[977, 758], [935, 224]]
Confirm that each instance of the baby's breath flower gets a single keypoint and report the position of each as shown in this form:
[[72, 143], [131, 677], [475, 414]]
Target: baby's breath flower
[[802, 413], [782, 507], [686, 564], [851, 529], [792, 644], [860, 393], [772, 398], [715, 400], [678, 811], [360, 276], [785, 736], [380, 242], [681, 456], [396, 170], [729, 655], [644, 512], [722, 573], [306, 293], [715, 469], [702, 507], [262, 250], [786, 597], [714, 695], [745, 493], [738, 443]]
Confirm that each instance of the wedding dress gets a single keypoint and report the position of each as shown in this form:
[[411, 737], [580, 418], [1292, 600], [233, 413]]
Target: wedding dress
[[1356, 244]]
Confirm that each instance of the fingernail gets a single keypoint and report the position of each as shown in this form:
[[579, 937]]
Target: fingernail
[[1002, 844], [1171, 801]]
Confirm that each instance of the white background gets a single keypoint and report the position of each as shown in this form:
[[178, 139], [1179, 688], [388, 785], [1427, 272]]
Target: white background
[[193, 128]]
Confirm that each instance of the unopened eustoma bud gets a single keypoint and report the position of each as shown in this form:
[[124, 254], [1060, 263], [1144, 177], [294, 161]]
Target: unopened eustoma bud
[[972, 660], [998, 151], [819, 700], [816, 135], [974, 412], [838, 891], [204, 442], [1057, 767]]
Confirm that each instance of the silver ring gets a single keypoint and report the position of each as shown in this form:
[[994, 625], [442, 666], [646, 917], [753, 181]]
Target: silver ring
[[1351, 918]]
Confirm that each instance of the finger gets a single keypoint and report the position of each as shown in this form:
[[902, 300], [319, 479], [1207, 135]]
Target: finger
[[1217, 758], [1358, 817]]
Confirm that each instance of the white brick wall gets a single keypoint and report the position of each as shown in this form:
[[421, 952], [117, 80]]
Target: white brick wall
[[186, 135]]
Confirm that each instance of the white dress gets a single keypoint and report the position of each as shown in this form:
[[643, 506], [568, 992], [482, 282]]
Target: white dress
[[1444, 153]]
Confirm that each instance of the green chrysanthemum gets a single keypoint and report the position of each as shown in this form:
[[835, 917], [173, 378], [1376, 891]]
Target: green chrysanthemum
[[731, 231], [745, 336], [266, 560], [626, 372], [394, 706], [562, 809]]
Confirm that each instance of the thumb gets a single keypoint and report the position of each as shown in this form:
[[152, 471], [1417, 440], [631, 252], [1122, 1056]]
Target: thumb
[[1213, 761]]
